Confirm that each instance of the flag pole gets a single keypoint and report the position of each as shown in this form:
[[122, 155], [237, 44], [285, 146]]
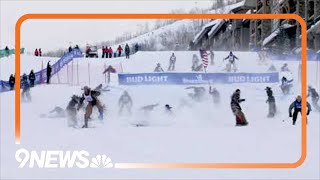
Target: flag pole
[[205, 71], [205, 62]]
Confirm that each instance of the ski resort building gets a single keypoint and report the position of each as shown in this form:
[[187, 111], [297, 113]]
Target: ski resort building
[[282, 35], [285, 33], [226, 34]]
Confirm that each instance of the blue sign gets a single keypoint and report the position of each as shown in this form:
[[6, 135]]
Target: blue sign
[[196, 78], [41, 76]]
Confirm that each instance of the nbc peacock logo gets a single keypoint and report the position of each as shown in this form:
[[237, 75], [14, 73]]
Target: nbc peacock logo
[[101, 161]]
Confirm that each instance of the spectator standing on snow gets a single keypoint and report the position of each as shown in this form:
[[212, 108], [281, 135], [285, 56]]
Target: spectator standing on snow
[[32, 78], [119, 50], [40, 52], [7, 51], [127, 51], [106, 51], [11, 82], [110, 51], [103, 51], [136, 47], [36, 52], [172, 62], [70, 49], [49, 70]]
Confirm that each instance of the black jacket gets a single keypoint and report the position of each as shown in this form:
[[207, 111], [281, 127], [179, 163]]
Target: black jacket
[[72, 104], [11, 80], [271, 98], [269, 92], [32, 76], [296, 105], [127, 49], [24, 82], [94, 95], [235, 101], [49, 70]]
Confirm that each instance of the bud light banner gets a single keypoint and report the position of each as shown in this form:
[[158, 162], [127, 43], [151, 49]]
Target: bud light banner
[[196, 78]]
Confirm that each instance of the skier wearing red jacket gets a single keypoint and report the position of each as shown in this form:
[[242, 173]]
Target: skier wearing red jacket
[[110, 52], [36, 52], [106, 51], [119, 50]]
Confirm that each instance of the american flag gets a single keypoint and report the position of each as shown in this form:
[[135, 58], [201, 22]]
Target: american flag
[[204, 57]]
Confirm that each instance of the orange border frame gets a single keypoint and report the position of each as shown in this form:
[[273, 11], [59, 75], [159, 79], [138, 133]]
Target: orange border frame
[[177, 16]]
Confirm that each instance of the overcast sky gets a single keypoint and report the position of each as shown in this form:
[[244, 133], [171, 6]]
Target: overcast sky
[[52, 34]]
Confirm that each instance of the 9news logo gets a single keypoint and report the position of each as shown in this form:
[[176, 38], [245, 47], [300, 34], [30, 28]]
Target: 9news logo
[[61, 159]]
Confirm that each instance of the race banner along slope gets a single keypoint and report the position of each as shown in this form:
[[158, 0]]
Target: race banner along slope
[[196, 78], [41, 75]]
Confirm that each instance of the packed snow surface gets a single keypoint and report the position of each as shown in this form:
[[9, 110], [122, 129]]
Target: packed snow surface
[[197, 132]]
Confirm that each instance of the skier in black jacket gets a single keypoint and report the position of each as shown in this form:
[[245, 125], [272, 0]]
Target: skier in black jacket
[[127, 51], [314, 97], [32, 78], [25, 88], [296, 105], [72, 111], [136, 47], [49, 70], [236, 108], [271, 101]]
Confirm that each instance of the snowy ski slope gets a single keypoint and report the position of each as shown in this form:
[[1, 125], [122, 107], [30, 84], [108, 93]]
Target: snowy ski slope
[[201, 133]]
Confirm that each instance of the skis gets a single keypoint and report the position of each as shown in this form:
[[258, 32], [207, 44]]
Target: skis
[[139, 125], [80, 127], [241, 125]]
